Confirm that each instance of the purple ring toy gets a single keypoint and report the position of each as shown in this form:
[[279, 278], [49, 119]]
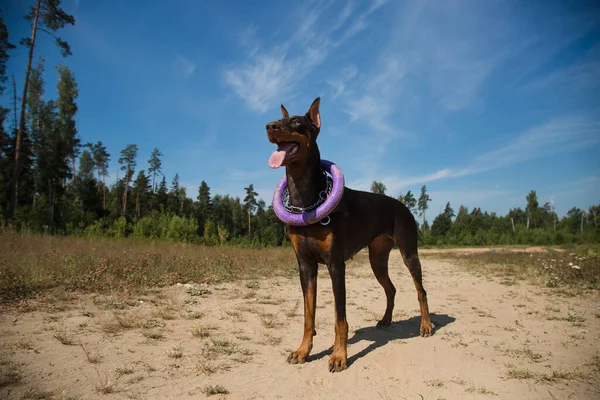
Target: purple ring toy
[[321, 211]]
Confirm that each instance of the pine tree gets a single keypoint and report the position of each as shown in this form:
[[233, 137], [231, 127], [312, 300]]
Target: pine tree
[[45, 16], [128, 163], [423, 203], [67, 108], [378, 187], [5, 47], [141, 189], [250, 205], [155, 166], [101, 160], [204, 204]]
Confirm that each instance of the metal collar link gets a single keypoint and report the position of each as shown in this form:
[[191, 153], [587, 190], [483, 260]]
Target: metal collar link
[[301, 210]]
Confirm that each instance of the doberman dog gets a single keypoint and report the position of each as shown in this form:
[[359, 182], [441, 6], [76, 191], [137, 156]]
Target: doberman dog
[[361, 219]]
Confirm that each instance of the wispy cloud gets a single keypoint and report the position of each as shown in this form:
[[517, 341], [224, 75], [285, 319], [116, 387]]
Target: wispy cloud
[[272, 73], [341, 81], [556, 136], [183, 67]]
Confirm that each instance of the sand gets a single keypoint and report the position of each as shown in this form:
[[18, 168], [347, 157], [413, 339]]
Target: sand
[[490, 341]]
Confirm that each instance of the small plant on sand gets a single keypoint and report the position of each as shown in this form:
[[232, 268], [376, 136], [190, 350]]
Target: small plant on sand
[[93, 356], [107, 383], [200, 332], [175, 352], [63, 336], [211, 390]]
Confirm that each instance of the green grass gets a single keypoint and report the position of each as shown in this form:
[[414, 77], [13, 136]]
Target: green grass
[[34, 264]]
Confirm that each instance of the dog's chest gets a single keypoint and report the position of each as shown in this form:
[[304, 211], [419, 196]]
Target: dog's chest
[[313, 243]]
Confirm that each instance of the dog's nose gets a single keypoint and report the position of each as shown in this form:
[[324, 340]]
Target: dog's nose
[[273, 126]]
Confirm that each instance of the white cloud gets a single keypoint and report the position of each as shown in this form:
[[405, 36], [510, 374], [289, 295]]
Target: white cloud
[[271, 74]]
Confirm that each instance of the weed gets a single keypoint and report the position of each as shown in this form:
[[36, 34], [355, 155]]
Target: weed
[[107, 383], [208, 368], [253, 285], [200, 332], [194, 315], [125, 266], [37, 394], [10, 373], [480, 390], [271, 340], [435, 383], [268, 320], [24, 344], [63, 336], [211, 390], [292, 312], [175, 352], [93, 356], [154, 335]]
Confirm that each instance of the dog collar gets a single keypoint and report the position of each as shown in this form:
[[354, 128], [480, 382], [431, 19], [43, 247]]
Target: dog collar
[[313, 215]]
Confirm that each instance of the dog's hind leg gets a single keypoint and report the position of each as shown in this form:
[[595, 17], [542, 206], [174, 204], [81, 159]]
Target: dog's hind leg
[[408, 247], [379, 253]]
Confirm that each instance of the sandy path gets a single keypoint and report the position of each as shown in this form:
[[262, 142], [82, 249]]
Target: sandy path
[[487, 336]]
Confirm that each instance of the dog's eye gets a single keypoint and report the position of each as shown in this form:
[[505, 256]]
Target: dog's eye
[[296, 121]]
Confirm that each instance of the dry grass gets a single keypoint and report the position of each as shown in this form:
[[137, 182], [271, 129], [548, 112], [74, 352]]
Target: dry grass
[[93, 356], [210, 367], [152, 334], [551, 269], [10, 373], [292, 312], [435, 383], [175, 352], [24, 344], [120, 321], [211, 390], [107, 383], [64, 336], [37, 394], [554, 376], [200, 332], [268, 320], [33, 264]]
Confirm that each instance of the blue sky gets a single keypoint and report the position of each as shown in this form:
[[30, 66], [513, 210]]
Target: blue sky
[[482, 101]]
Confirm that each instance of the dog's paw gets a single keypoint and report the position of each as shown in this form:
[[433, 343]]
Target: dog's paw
[[426, 328], [337, 363], [384, 323], [297, 357]]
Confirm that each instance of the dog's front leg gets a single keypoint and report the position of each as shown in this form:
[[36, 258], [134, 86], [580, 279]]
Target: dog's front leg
[[308, 280], [339, 357]]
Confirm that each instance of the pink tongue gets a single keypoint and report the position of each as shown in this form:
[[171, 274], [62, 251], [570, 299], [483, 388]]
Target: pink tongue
[[278, 155], [276, 159]]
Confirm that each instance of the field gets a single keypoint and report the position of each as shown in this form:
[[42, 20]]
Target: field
[[93, 319]]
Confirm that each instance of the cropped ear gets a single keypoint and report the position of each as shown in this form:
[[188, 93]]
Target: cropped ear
[[313, 113], [284, 112]]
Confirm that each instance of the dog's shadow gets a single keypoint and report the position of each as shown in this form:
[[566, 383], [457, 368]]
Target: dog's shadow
[[381, 336]]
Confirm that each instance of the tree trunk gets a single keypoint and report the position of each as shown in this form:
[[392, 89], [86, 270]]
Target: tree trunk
[[126, 184], [527, 221], [137, 205], [582, 214], [512, 220], [17, 170], [249, 226], [104, 191]]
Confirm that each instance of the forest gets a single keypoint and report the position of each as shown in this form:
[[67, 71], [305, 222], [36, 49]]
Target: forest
[[52, 182]]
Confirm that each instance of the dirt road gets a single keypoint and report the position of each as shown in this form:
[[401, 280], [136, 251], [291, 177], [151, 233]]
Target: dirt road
[[490, 341]]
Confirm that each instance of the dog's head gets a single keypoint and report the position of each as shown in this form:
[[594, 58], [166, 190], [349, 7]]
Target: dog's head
[[294, 136]]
